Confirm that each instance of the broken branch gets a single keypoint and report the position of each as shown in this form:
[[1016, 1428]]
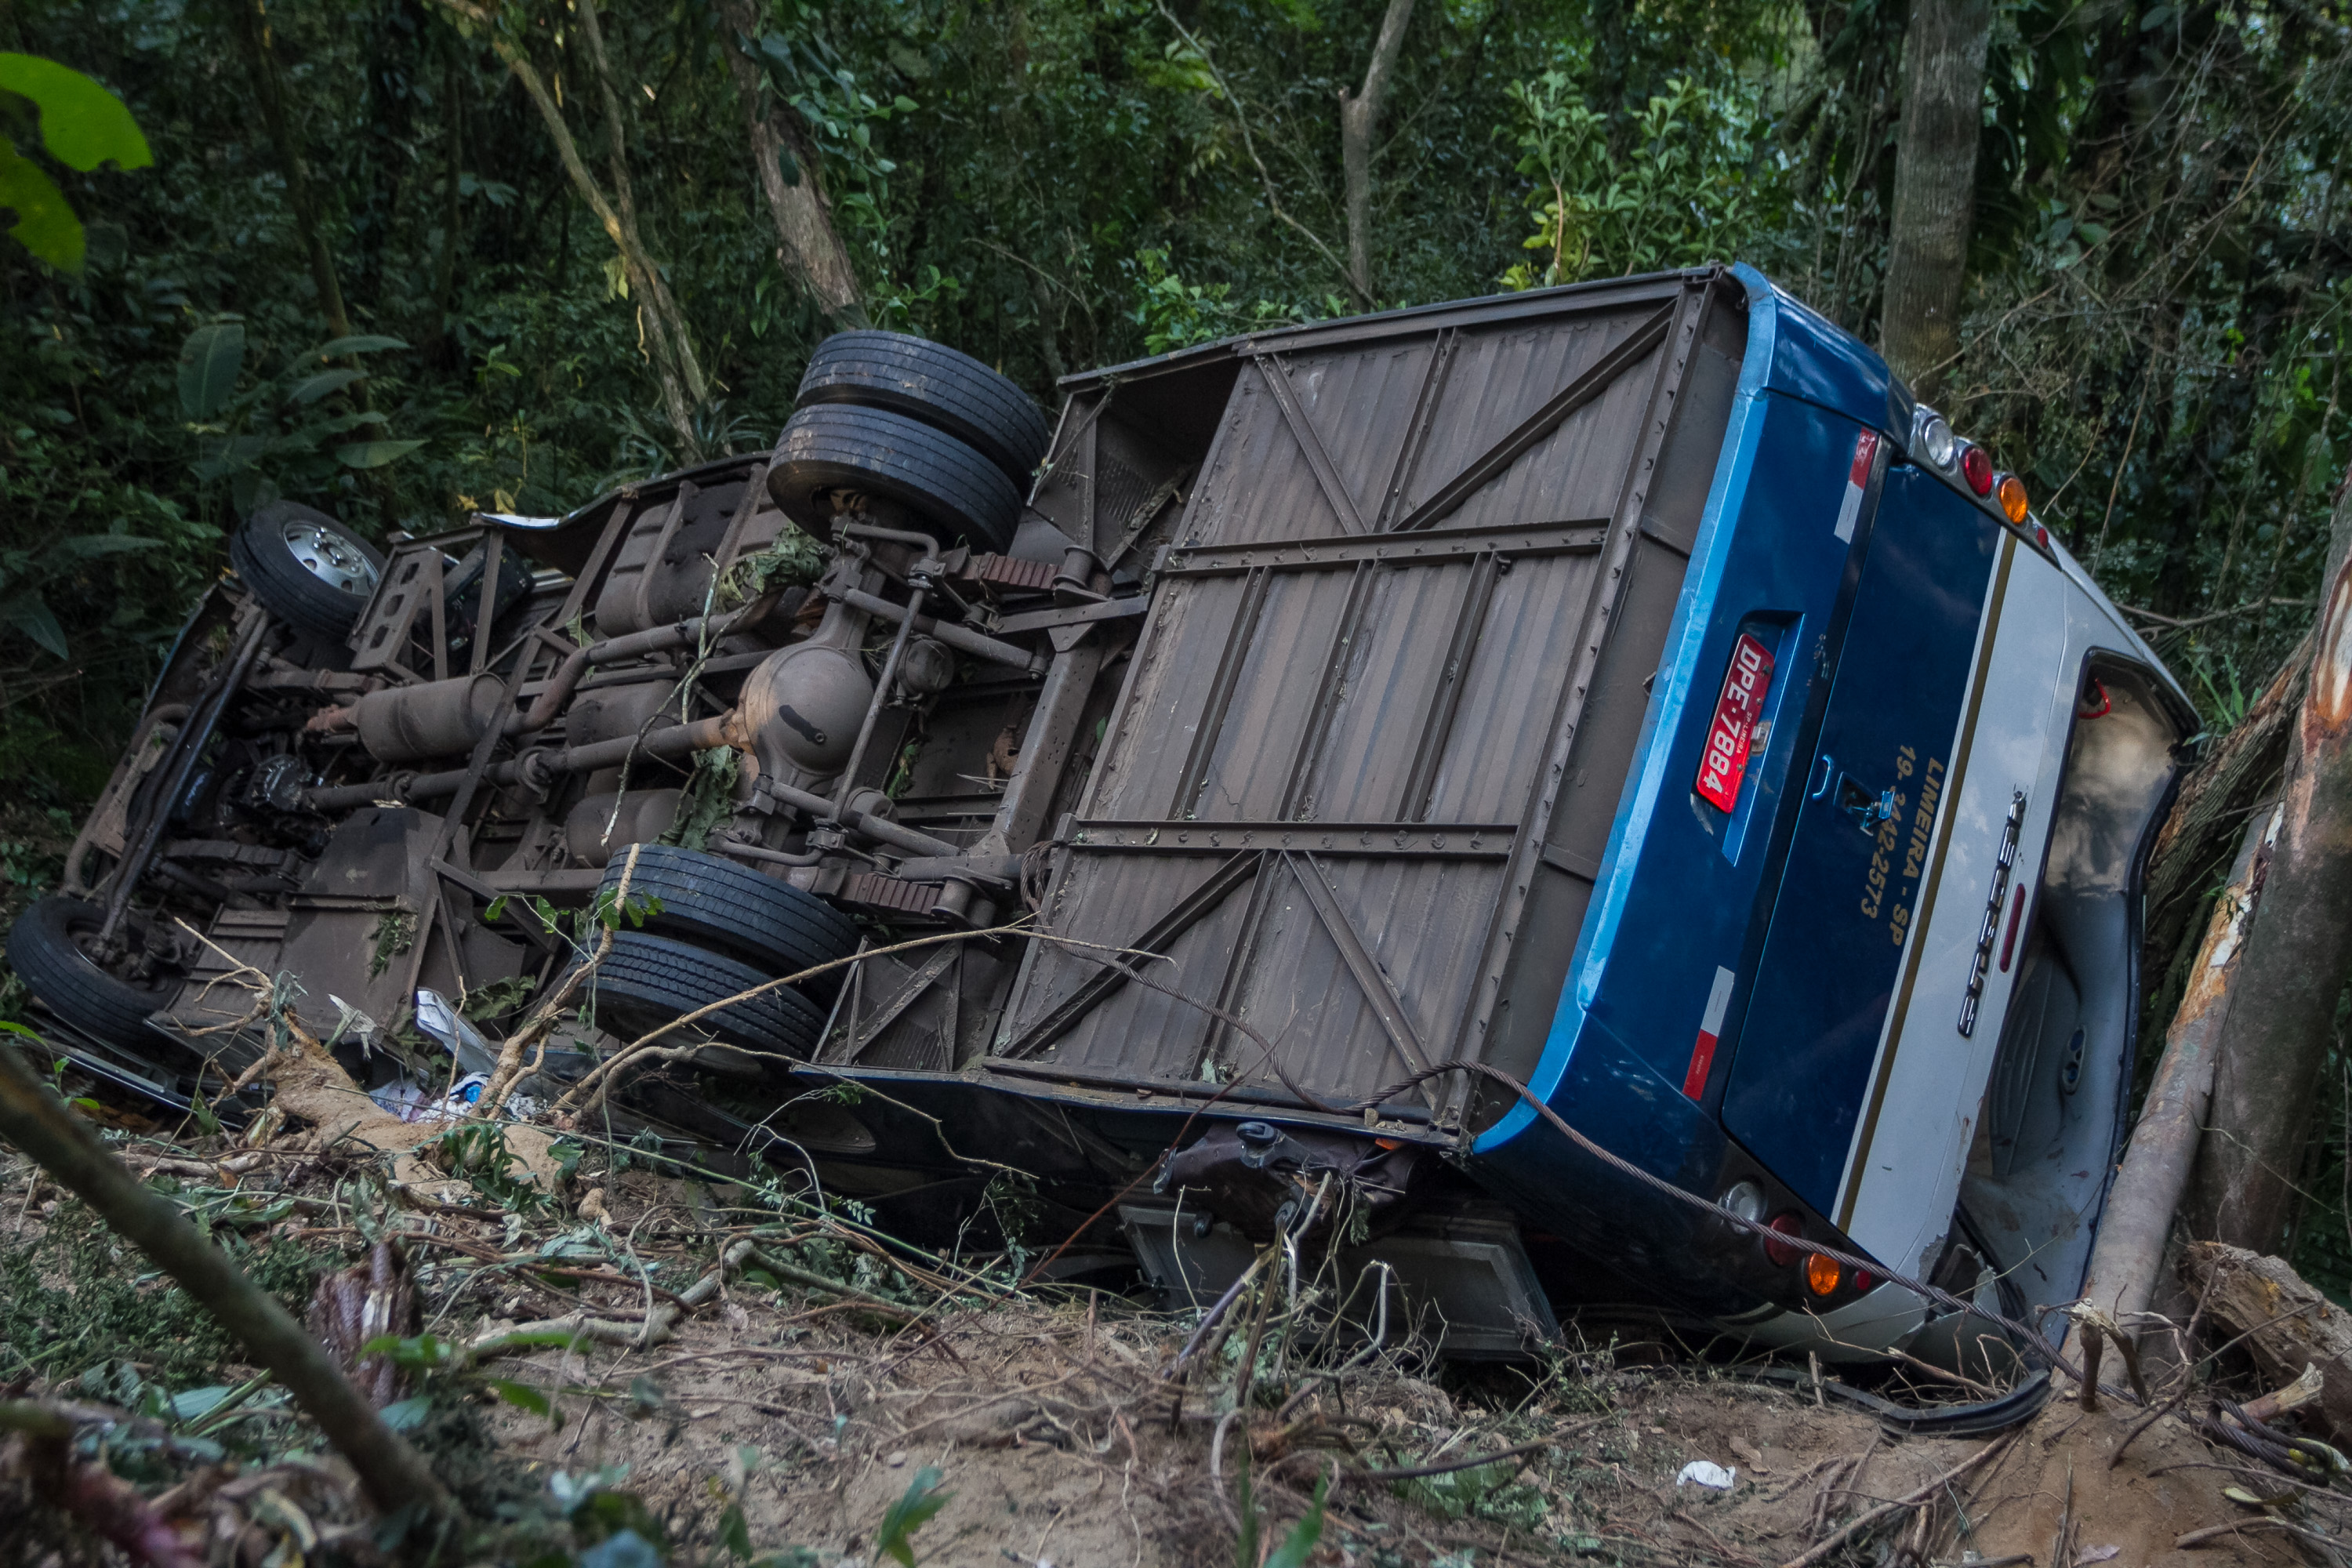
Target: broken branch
[[36, 1121]]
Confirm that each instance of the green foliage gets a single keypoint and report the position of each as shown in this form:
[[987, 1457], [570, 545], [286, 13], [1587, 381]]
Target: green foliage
[[499, 997], [708, 800], [394, 933], [607, 910], [1483, 1492], [80, 1297], [791, 559], [45, 224], [28, 575], [1693, 183], [1297, 1548], [288, 434], [914, 1509], [477, 1151], [1174, 314], [82, 126]]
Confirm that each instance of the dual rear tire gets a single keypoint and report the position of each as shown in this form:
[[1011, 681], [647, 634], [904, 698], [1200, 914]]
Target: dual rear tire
[[913, 423], [699, 929]]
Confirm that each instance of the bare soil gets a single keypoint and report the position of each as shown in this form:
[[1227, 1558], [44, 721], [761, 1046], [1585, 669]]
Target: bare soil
[[1050, 1418]]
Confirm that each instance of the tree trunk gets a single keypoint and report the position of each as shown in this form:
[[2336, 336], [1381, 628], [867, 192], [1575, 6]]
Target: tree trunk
[[1935, 187], [453, 210], [674, 369], [2289, 1328], [812, 250], [2237, 773], [261, 68], [2298, 952], [683, 387], [1360, 124], [2129, 1256]]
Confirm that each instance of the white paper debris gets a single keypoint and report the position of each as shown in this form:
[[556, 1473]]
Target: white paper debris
[[1703, 1473]]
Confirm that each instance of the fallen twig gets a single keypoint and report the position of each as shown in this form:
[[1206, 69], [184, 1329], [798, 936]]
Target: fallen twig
[[656, 1326], [1414, 1472], [1874, 1517]]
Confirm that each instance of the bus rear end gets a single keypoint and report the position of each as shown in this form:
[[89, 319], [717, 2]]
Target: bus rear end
[[1860, 960]]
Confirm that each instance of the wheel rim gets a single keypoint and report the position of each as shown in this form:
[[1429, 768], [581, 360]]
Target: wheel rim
[[81, 935], [331, 558]]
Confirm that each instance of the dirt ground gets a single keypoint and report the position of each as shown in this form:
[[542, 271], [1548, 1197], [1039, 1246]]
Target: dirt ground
[[781, 1415]]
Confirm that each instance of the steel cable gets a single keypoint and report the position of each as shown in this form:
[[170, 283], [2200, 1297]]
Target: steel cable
[[2025, 1339]]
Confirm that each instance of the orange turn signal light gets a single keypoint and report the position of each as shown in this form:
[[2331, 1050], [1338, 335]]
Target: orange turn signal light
[[2012, 497], [1821, 1274]]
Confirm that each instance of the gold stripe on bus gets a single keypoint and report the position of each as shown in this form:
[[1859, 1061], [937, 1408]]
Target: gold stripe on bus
[[1935, 877]]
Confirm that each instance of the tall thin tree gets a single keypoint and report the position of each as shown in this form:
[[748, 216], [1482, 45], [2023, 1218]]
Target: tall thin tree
[[1934, 188], [1359, 125], [261, 70], [670, 351]]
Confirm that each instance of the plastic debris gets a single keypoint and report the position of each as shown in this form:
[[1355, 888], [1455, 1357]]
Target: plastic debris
[[1705, 1473], [439, 1019]]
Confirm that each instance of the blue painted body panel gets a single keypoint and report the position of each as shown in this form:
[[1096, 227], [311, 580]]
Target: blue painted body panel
[[1849, 888], [1685, 889]]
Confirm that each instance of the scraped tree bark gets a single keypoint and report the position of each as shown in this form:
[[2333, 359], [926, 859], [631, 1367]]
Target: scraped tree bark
[[810, 249], [2298, 955], [1935, 187], [1360, 124]]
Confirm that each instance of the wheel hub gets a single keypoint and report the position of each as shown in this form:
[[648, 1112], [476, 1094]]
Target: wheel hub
[[331, 560]]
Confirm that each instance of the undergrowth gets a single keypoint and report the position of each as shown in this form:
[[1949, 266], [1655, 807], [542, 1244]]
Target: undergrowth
[[80, 1297]]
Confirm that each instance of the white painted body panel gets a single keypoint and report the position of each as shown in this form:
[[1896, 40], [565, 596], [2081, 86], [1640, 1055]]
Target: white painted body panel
[[1903, 1176]]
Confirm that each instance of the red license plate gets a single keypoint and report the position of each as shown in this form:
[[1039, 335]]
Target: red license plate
[[1725, 762]]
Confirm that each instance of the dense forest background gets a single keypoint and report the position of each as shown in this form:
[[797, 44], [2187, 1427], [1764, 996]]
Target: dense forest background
[[555, 247], [2154, 332]]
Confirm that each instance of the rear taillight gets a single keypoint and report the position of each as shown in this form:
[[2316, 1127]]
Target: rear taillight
[[1976, 469], [1780, 1252]]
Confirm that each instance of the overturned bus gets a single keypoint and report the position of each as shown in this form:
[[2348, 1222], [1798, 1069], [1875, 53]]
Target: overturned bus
[[1623, 698]]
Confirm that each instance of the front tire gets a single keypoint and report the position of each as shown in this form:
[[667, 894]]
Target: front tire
[[307, 569], [48, 948]]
